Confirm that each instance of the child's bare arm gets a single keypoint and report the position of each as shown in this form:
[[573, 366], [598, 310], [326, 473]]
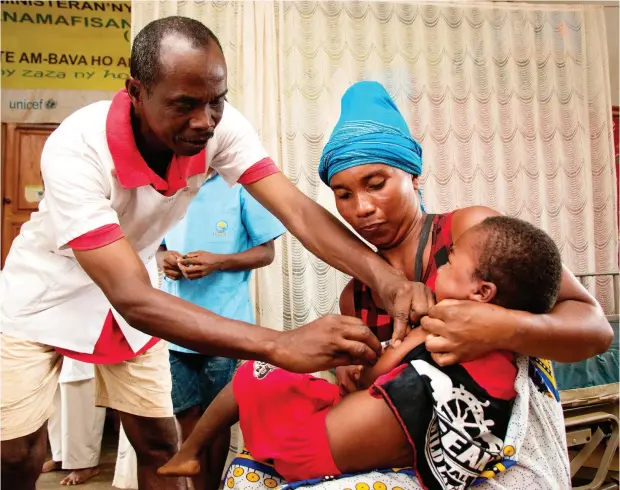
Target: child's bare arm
[[391, 358]]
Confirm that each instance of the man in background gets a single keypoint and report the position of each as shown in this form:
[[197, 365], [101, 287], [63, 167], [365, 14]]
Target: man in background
[[207, 259], [75, 428]]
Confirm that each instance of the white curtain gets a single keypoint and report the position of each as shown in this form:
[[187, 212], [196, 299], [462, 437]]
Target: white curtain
[[510, 103]]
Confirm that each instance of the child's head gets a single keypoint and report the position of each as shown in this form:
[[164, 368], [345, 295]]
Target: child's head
[[505, 261]]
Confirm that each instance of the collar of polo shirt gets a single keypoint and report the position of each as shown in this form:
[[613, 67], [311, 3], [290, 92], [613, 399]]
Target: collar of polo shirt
[[131, 169]]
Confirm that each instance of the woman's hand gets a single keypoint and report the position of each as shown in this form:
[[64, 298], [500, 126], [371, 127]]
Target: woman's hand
[[460, 331]]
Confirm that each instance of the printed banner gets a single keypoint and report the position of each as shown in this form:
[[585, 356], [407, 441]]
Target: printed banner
[[58, 56]]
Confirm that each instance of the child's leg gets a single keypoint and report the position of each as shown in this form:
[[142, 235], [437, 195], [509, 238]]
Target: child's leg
[[216, 456], [221, 414]]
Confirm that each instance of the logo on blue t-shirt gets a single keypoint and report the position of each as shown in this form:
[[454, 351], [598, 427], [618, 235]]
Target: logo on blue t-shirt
[[220, 228]]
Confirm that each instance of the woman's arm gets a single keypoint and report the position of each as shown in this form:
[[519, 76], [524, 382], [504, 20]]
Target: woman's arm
[[574, 330]]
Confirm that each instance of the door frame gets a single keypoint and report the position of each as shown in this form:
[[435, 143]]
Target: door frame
[[10, 169]]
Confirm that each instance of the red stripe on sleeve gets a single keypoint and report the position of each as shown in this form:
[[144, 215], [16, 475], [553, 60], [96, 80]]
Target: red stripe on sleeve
[[97, 238], [259, 171]]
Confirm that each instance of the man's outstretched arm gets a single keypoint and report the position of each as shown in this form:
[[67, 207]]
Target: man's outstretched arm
[[82, 217], [323, 344], [326, 237]]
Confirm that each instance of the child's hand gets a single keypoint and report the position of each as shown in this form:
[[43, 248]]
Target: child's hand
[[348, 377]]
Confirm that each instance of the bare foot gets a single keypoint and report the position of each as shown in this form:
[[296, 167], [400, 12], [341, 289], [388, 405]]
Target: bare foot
[[51, 465], [180, 467], [77, 477]]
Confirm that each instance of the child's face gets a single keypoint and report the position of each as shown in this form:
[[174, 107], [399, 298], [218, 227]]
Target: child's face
[[455, 280]]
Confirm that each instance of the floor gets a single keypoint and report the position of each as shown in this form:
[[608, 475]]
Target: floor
[[109, 446], [51, 481]]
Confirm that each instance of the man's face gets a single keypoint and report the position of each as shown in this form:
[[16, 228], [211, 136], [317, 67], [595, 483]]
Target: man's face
[[186, 102]]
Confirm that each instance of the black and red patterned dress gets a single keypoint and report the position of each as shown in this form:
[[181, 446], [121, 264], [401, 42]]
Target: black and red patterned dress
[[377, 318]]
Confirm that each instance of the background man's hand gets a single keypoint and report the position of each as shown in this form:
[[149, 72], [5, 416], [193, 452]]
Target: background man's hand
[[407, 302], [460, 331], [168, 261], [199, 264], [326, 343]]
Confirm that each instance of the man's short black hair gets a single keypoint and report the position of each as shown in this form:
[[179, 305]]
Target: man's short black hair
[[522, 261], [145, 63]]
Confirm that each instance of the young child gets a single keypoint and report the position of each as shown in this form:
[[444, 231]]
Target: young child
[[448, 422]]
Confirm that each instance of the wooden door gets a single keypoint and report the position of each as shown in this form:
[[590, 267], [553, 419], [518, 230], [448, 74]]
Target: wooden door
[[22, 145]]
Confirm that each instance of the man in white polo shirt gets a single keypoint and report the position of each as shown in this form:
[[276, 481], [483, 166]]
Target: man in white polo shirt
[[117, 176]]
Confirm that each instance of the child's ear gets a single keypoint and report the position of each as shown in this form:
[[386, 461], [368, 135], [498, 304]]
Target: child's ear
[[484, 293]]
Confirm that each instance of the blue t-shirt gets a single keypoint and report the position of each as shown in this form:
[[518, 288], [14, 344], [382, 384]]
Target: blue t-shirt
[[221, 220]]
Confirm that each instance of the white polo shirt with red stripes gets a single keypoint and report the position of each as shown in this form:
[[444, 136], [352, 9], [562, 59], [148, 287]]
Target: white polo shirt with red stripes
[[98, 189]]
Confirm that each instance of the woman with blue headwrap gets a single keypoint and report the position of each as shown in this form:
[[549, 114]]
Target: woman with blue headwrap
[[373, 165]]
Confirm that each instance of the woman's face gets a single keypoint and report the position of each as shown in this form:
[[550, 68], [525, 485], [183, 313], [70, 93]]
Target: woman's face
[[380, 202]]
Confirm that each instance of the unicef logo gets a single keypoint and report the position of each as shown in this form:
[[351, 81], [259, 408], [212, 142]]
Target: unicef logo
[[221, 227]]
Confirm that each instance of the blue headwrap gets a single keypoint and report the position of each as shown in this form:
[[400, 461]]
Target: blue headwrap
[[370, 130]]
